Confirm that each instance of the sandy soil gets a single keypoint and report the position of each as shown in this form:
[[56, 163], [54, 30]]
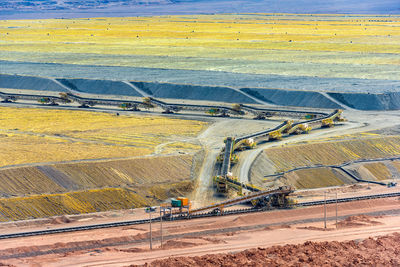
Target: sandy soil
[[129, 245]]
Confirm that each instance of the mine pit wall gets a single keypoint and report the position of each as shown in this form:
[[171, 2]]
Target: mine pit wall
[[292, 98], [193, 92], [100, 87], [295, 98], [386, 101], [57, 189]]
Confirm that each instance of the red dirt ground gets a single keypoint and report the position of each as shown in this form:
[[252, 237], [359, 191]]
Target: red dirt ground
[[382, 251]]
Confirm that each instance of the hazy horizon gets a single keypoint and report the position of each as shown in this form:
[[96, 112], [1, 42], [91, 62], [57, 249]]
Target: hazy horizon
[[35, 9]]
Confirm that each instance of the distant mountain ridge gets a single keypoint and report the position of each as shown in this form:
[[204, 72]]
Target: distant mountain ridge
[[41, 9], [74, 4]]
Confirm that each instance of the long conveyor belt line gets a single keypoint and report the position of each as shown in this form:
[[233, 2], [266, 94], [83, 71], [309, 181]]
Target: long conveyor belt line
[[243, 199], [191, 216], [164, 105]]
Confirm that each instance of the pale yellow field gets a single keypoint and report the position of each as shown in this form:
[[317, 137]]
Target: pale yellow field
[[131, 35], [39, 135], [254, 40]]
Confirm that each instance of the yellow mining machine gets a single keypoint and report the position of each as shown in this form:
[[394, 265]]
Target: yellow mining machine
[[283, 128], [222, 184], [246, 143], [300, 128], [334, 116], [234, 158]]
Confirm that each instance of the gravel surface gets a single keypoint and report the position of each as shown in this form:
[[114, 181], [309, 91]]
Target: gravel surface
[[199, 77]]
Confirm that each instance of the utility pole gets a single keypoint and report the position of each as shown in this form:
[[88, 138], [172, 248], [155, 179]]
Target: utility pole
[[161, 230], [325, 209], [149, 210], [336, 209], [151, 245]]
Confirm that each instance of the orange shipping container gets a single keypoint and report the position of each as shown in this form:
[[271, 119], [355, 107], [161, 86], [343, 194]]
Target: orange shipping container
[[184, 200]]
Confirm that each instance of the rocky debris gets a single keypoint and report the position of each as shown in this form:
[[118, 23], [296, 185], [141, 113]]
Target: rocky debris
[[356, 221], [61, 220]]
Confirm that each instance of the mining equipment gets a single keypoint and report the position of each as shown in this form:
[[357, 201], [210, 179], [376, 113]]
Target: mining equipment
[[48, 101], [233, 158], [237, 108], [335, 116], [310, 116], [218, 112], [222, 184], [283, 128], [246, 143], [300, 128], [147, 102], [129, 106], [274, 198], [64, 98]]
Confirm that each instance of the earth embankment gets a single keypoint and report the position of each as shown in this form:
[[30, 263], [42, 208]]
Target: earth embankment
[[193, 92], [29, 83], [292, 98], [362, 101], [281, 97], [100, 87], [56, 189]]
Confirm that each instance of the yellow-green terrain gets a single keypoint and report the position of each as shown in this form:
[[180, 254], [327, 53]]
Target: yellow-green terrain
[[57, 162]]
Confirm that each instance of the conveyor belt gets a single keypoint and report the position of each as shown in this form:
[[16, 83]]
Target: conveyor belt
[[244, 199], [169, 107], [14, 97], [280, 112], [261, 133], [201, 215], [100, 101], [226, 164]]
